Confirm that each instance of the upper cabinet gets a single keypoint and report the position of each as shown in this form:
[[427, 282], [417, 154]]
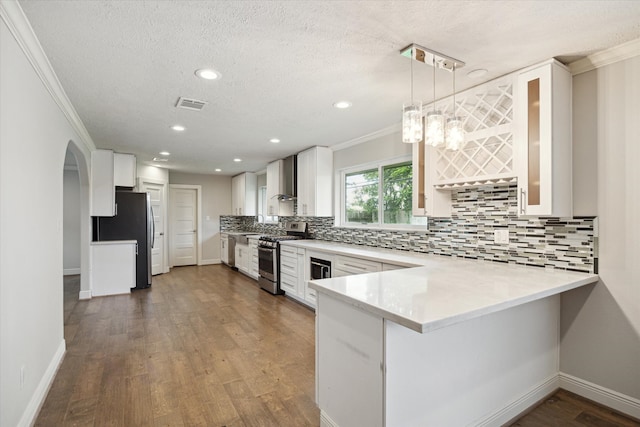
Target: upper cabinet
[[124, 170], [103, 190], [275, 187], [543, 140], [518, 129], [108, 171], [315, 170], [244, 194]]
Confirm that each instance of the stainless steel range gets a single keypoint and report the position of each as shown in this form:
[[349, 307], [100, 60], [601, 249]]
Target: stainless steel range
[[269, 255]]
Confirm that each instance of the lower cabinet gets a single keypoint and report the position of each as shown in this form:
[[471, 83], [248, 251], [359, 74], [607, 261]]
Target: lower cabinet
[[254, 264], [113, 267], [242, 258]]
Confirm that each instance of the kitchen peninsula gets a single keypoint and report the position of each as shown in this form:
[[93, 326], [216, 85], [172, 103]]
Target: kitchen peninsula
[[452, 342]]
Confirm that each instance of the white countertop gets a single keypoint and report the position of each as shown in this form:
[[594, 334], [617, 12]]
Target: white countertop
[[114, 242], [442, 291]]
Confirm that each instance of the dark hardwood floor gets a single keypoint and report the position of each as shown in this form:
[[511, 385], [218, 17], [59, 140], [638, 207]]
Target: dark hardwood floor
[[206, 347]]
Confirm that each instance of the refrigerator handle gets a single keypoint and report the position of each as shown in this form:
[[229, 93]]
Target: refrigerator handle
[[153, 228]]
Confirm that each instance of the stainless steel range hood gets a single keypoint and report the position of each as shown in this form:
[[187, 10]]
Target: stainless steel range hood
[[289, 178]]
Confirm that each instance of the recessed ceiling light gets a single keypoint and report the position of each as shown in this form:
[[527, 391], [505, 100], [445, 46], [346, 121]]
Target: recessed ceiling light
[[208, 74], [477, 73], [178, 128], [160, 159], [274, 140], [342, 104], [237, 159], [164, 153], [218, 170]]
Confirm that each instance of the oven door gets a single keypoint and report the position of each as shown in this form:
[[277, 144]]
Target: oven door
[[267, 263]]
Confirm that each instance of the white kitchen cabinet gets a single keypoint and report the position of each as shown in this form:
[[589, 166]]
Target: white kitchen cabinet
[[347, 266], [242, 258], [124, 170], [542, 136], [275, 187], [244, 193], [113, 267], [315, 172], [224, 248], [291, 276], [254, 264], [350, 364], [103, 190]]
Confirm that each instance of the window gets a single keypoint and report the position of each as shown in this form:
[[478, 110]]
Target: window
[[262, 207], [379, 196]]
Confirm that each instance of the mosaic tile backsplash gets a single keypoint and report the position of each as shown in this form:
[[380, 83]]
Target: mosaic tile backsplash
[[564, 243]]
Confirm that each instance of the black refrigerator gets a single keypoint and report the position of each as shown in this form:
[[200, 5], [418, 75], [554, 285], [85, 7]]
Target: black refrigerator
[[133, 221]]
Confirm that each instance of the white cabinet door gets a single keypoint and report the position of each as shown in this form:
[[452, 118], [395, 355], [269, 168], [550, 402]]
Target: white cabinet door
[[543, 141], [254, 264], [315, 173], [224, 248], [244, 193], [349, 364], [124, 174], [242, 258], [103, 190]]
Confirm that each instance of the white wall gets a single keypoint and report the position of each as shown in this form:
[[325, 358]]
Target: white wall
[[71, 222], [601, 324], [381, 148], [33, 141], [216, 201]]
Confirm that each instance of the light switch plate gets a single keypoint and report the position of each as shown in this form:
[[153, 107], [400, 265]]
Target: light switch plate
[[501, 237]]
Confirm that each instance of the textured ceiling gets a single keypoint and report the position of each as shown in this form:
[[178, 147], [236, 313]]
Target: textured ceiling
[[124, 64]]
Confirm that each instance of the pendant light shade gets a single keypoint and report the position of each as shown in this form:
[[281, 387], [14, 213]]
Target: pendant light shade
[[412, 122], [455, 133], [412, 116], [435, 128], [455, 128]]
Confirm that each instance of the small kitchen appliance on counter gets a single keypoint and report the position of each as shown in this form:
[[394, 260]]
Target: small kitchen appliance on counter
[[269, 255]]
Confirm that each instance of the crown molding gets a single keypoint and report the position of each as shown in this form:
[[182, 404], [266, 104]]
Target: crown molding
[[368, 137], [13, 16], [605, 57]]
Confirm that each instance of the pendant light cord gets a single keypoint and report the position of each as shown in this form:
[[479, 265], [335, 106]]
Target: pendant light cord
[[434, 84], [412, 53], [454, 90]]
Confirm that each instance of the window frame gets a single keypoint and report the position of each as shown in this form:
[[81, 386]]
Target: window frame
[[341, 218]]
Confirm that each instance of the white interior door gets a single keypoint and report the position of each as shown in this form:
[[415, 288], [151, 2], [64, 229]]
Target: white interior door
[[183, 226], [156, 193]]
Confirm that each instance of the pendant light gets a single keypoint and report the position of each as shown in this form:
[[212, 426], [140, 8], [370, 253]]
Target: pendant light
[[455, 128], [434, 134], [412, 116]]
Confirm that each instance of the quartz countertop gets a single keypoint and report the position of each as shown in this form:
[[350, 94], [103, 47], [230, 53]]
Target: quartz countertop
[[114, 242], [438, 291]]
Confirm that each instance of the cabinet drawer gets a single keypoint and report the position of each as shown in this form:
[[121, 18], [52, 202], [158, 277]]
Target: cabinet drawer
[[356, 266], [289, 265], [289, 283], [311, 296], [288, 250]]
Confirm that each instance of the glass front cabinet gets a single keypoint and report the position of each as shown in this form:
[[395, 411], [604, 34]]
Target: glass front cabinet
[[542, 140]]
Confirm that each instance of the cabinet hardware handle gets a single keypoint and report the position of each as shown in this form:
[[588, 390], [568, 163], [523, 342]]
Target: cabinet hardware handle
[[523, 198], [355, 266]]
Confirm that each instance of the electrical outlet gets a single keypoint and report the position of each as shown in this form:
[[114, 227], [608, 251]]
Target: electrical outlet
[[501, 237]]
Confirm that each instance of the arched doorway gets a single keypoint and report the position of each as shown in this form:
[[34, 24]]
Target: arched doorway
[[76, 171]]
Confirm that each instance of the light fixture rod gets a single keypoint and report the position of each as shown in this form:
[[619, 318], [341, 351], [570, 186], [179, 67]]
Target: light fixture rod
[[431, 57]]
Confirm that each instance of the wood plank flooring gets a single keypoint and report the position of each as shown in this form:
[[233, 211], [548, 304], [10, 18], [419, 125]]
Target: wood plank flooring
[[204, 346]]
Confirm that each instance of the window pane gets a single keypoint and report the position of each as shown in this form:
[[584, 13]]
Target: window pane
[[396, 191], [361, 196]]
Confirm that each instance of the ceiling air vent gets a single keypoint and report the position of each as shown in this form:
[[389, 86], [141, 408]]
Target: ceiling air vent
[[190, 104]]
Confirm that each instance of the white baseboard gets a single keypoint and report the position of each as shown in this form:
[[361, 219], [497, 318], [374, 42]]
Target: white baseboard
[[514, 409], [39, 395], [210, 261], [326, 421], [71, 271], [84, 295], [604, 396]]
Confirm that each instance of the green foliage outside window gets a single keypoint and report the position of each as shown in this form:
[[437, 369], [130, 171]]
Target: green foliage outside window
[[362, 201]]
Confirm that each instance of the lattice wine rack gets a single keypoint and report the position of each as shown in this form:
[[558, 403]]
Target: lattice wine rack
[[487, 155]]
